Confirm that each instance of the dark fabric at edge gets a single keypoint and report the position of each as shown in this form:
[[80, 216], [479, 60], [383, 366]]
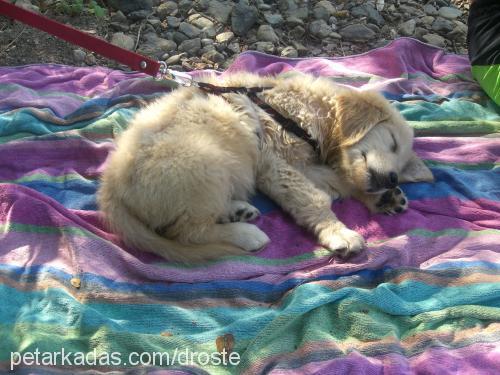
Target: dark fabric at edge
[[483, 37]]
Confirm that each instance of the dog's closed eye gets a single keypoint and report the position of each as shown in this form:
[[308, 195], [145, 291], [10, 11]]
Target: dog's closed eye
[[394, 147]]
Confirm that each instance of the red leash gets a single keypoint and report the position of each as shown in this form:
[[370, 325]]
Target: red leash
[[74, 36]]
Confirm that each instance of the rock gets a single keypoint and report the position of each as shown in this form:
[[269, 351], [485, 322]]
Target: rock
[[264, 7], [189, 30], [199, 21], [297, 32], [373, 27], [191, 46], [155, 46], [266, 33], [301, 49], [407, 28], [234, 48], [155, 22], [368, 11], [357, 32], [294, 21], [426, 21], [138, 15], [434, 39], [90, 59], [460, 28], [118, 17], [420, 32], [208, 32], [166, 9], [266, 47], [243, 18], [442, 25], [430, 10], [210, 47], [123, 40], [316, 51], [225, 37], [206, 42], [119, 26], [335, 35], [287, 5], [449, 12], [173, 22], [273, 18], [179, 37], [127, 6], [214, 56], [78, 56], [174, 59], [323, 10], [289, 52], [185, 5], [409, 10], [320, 28], [301, 13], [149, 29], [220, 10], [26, 4], [459, 31]]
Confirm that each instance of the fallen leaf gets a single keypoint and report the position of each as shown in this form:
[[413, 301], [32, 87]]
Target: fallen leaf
[[225, 342]]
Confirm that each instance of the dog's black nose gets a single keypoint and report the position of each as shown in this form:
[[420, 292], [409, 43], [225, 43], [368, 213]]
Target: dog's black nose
[[393, 180]]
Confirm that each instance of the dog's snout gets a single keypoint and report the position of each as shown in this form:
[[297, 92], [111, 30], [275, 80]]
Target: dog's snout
[[379, 181]]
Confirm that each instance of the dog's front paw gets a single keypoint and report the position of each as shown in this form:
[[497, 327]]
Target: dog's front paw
[[392, 202], [342, 241]]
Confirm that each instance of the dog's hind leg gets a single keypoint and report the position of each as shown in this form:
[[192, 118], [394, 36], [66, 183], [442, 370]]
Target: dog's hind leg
[[239, 211], [243, 235], [308, 205]]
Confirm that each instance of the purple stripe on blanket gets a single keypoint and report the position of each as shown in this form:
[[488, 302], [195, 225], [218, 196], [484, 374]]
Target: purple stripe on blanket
[[458, 150], [87, 158], [51, 77], [443, 361], [25, 206], [33, 208], [130, 266], [399, 58], [54, 158]]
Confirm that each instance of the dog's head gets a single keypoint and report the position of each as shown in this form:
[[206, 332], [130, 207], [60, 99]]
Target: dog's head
[[371, 143]]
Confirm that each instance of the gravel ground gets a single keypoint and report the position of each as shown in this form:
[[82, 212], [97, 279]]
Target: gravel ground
[[202, 34]]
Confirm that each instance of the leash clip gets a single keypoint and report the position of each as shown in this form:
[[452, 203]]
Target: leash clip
[[181, 78]]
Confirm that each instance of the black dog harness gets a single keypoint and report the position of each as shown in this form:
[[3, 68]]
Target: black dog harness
[[287, 124]]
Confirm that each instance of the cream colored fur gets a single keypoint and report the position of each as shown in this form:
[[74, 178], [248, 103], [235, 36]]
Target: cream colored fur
[[188, 163]]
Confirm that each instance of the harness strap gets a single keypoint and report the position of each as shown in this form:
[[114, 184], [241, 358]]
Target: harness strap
[[288, 124], [74, 36]]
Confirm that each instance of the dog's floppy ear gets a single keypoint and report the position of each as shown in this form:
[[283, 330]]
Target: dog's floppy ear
[[357, 112], [415, 171], [353, 114]]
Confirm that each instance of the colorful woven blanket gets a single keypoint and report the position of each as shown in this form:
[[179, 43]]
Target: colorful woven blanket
[[423, 298]]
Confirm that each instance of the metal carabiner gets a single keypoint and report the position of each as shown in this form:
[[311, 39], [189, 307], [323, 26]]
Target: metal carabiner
[[181, 78]]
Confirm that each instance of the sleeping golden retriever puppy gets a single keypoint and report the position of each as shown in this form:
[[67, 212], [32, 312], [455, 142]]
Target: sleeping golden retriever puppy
[[179, 181]]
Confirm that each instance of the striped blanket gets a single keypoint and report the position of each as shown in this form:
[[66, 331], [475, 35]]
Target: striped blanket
[[423, 298]]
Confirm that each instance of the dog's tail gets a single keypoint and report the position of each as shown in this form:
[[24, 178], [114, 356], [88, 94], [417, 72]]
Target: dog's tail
[[137, 234]]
